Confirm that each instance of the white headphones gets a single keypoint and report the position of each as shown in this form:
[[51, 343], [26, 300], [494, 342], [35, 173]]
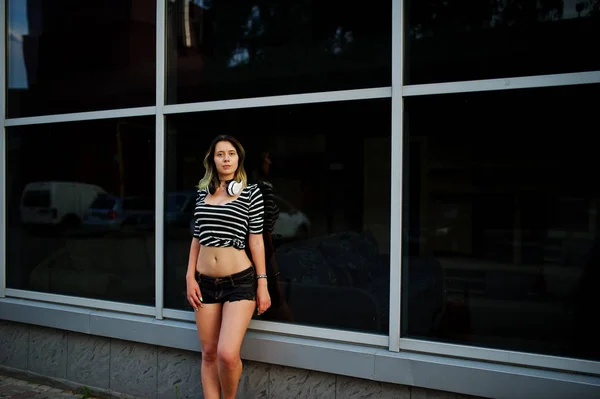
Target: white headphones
[[233, 187]]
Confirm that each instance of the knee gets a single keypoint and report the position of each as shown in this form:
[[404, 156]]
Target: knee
[[228, 357], [209, 353]]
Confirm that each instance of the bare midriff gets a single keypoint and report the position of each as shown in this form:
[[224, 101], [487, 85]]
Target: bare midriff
[[221, 261]]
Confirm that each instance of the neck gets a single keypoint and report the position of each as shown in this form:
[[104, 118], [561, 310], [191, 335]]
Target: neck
[[224, 178]]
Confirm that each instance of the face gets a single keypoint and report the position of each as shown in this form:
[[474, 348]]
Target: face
[[226, 159]]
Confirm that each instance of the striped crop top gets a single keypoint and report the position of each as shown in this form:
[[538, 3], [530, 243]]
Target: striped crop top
[[227, 225]]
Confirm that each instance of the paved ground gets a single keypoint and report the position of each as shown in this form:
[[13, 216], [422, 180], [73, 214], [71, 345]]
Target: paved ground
[[19, 389]]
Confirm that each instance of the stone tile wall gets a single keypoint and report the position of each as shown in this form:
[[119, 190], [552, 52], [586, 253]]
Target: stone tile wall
[[149, 371]]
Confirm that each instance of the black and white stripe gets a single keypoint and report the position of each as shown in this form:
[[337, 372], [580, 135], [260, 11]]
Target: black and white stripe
[[271, 206], [228, 224]]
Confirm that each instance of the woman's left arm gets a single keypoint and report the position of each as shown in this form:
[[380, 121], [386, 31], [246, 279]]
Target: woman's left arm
[[257, 249], [256, 214]]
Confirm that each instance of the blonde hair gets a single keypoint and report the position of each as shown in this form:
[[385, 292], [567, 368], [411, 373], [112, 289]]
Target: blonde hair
[[211, 178]]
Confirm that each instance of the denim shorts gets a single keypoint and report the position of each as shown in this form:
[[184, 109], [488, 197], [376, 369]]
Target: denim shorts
[[235, 287]]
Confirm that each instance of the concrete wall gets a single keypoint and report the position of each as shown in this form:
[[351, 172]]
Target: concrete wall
[[148, 371]]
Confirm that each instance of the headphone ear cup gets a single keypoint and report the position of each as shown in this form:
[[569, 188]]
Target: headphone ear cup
[[234, 187]]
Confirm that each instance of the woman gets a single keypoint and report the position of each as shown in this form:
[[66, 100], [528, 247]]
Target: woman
[[223, 286]]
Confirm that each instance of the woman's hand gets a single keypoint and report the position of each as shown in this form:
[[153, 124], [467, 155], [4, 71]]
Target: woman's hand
[[194, 296], [263, 299]]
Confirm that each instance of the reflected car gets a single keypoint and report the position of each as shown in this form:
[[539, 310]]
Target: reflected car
[[291, 222], [112, 213], [57, 202], [179, 208]]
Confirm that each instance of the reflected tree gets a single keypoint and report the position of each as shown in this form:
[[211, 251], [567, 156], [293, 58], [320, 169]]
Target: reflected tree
[[592, 7], [260, 30], [454, 16], [264, 47], [263, 31]]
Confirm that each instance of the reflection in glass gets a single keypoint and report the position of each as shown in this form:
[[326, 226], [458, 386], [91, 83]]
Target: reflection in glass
[[501, 224], [220, 50], [327, 236], [475, 39], [289, 222], [73, 56], [80, 209]]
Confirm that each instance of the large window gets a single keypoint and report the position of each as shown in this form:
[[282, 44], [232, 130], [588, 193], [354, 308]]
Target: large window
[[232, 49], [454, 40], [499, 228], [73, 56], [80, 209], [330, 240], [501, 225]]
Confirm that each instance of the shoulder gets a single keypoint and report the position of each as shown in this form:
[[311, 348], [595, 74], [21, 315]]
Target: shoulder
[[254, 192], [201, 193], [265, 186], [252, 189]]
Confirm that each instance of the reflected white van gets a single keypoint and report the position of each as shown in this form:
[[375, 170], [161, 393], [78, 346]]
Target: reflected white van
[[57, 202]]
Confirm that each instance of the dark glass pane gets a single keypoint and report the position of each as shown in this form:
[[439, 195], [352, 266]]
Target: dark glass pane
[[501, 223], [328, 210], [481, 39], [232, 49], [69, 228], [74, 56]]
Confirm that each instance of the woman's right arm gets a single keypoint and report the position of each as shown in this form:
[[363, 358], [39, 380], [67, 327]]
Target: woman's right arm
[[193, 289], [193, 258]]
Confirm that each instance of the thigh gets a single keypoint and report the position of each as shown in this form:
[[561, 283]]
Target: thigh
[[208, 321], [236, 317]]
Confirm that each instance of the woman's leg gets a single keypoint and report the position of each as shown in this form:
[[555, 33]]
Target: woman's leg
[[235, 320], [208, 321]]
